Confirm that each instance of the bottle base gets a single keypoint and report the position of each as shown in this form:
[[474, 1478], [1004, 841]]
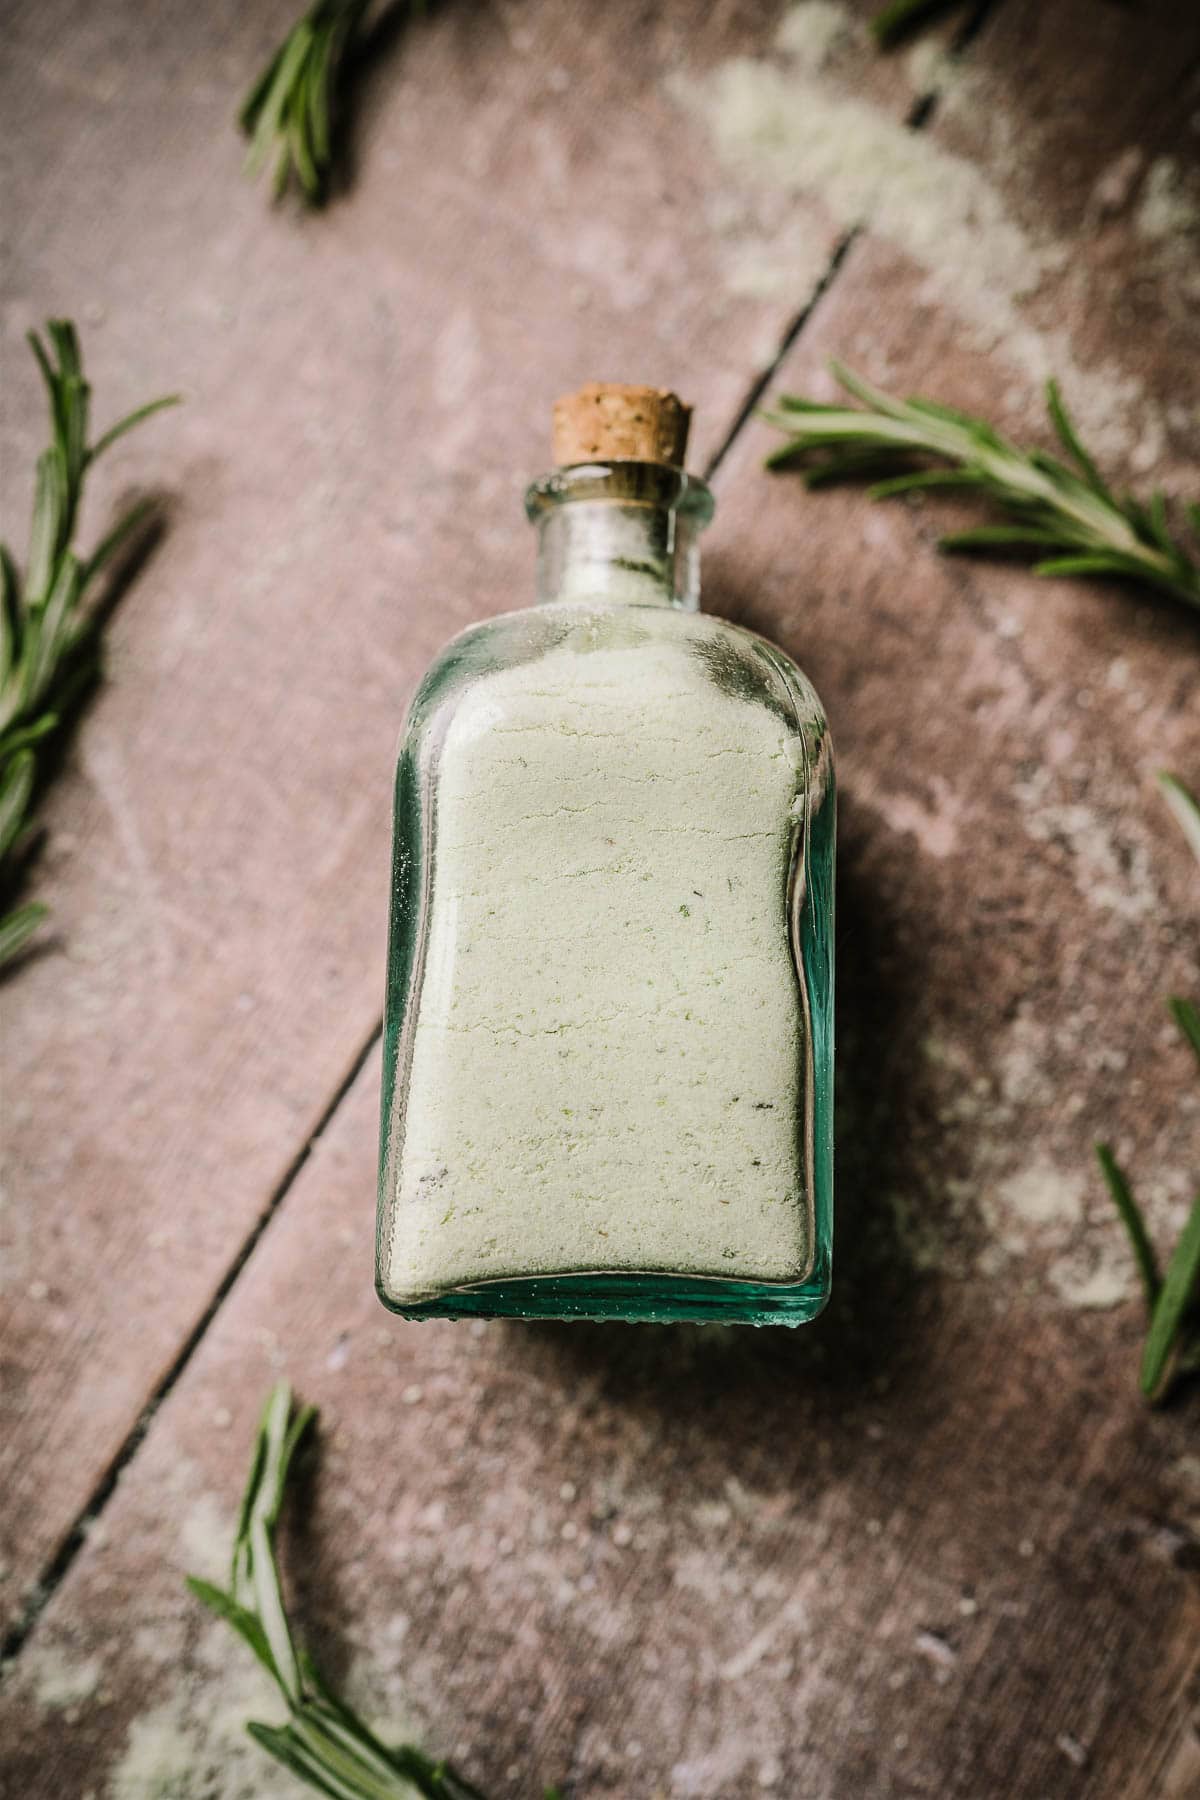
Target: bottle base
[[629, 1299]]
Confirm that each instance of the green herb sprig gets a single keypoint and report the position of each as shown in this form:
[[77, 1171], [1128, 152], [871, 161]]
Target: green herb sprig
[[291, 113], [325, 1744], [49, 642], [287, 114], [1064, 513], [1172, 1347]]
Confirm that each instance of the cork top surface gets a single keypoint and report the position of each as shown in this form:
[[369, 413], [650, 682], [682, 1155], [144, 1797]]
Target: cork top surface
[[605, 421]]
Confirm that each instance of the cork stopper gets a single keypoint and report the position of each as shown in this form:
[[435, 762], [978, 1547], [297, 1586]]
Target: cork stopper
[[606, 422]]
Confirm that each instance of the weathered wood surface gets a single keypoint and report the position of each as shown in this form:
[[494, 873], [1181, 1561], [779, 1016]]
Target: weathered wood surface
[[902, 1555], [932, 1545], [365, 393]]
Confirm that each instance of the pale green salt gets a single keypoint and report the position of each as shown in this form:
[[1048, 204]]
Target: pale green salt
[[605, 1067]]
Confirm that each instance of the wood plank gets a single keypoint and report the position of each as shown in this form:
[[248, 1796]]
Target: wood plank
[[365, 395], [934, 1544]]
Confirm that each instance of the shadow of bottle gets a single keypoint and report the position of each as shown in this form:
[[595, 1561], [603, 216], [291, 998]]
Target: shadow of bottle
[[754, 1388]]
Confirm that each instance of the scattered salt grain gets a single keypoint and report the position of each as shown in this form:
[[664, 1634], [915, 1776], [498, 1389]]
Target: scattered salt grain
[[938, 1651], [1071, 1748]]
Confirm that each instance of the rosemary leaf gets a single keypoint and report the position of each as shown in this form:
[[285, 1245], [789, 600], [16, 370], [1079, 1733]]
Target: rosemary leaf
[[1063, 510], [1172, 1347], [269, 1603], [48, 652], [10, 601], [1135, 1225], [324, 1743], [1187, 1017], [243, 1622], [16, 785], [1185, 808], [49, 504], [27, 734], [1068, 437], [1179, 1285], [50, 631], [128, 422], [914, 483], [17, 927]]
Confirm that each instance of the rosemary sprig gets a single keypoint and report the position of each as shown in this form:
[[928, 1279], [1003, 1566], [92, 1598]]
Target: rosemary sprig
[[49, 645], [287, 113], [324, 1743], [1067, 516], [290, 114], [1172, 1347]]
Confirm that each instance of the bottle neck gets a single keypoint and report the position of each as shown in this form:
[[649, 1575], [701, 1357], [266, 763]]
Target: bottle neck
[[620, 533]]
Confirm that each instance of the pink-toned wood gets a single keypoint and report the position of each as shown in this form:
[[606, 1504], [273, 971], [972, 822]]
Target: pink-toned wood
[[932, 1545], [365, 394]]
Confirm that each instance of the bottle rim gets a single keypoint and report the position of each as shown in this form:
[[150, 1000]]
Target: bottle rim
[[622, 482]]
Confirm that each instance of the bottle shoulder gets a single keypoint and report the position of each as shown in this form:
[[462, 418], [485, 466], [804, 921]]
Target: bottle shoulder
[[641, 658]]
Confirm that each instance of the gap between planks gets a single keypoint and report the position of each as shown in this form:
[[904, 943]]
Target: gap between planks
[[56, 1570]]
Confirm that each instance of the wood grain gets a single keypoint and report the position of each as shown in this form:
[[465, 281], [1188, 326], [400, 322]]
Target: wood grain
[[932, 1545]]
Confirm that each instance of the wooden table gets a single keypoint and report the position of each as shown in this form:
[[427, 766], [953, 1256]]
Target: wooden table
[[932, 1545]]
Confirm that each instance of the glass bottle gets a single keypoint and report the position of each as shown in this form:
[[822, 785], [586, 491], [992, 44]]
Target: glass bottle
[[608, 1036]]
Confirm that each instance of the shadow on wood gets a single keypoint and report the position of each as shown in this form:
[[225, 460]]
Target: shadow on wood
[[752, 1389]]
